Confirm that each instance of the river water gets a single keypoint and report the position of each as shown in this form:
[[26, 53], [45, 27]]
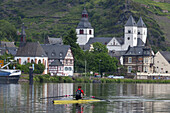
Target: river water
[[124, 98]]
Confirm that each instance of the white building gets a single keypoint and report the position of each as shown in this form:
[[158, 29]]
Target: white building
[[134, 35], [32, 52], [162, 62]]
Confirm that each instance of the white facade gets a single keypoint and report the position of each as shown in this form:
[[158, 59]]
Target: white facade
[[142, 33], [69, 64], [84, 35], [161, 64], [130, 37], [24, 60]]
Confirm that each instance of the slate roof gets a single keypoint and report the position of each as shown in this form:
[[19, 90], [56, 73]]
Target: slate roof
[[166, 55], [141, 23], [130, 22], [7, 44], [31, 49], [56, 63], [117, 54], [55, 51], [120, 40], [140, 42], [84, 22], [12, 50], [54, 40], [138, 51], [103, 40]]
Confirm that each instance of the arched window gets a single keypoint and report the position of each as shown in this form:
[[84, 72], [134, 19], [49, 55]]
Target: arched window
[[129, 31], [39, 61], [128, 38], [90, 32], [32, 61]]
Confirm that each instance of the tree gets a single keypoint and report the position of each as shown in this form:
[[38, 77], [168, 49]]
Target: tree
[[8, 31], [78, 53], [99, 48]]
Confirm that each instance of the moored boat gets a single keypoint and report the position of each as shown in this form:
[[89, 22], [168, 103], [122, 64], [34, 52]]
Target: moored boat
[[9, 75]]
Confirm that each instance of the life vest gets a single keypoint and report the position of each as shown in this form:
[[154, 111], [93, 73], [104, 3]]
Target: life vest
[[78, 92]]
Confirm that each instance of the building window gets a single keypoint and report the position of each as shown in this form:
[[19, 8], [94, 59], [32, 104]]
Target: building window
[[32, 61], [129, 31], [128, 38], [66, 61], [146, 60], [53, 54], [129, 59], [129, 69], [39, 61], [71, 61], [140, 68], [81, 31], [90, 32], [135, 38], [138, 33], [145, 69], [66, 68], [70, 68]]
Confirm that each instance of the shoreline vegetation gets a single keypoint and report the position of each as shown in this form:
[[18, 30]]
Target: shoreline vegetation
[[58, 79]]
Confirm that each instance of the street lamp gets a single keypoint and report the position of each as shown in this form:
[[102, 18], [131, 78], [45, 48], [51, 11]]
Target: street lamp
[[99, 68]]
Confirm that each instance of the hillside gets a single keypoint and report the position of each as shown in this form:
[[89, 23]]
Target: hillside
[[56, 17]]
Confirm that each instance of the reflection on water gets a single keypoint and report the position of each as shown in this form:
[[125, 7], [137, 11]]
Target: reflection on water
[[124, 98]]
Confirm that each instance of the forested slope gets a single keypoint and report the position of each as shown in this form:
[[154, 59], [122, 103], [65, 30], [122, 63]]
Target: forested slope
[[56, 17]]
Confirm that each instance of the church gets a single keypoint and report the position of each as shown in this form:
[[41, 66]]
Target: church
[[132, 50], [135, 34]]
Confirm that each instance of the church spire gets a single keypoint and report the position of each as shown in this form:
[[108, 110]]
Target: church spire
[[141, 23], [130, 22], [84, 22], [23, 36]]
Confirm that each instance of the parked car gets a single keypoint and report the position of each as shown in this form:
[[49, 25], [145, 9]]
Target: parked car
[[116, 77], [110, 76]]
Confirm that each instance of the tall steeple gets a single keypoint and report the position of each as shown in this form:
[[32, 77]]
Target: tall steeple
[[130, 37], [23, 36], [84, 22], [130, 22], [142, 30], [84, 29], [141, 23]]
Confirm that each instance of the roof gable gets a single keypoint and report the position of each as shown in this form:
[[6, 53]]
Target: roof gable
[[31, 49], [166, 55], [56, 50]]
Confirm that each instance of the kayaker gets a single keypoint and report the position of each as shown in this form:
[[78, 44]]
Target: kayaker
[[79, 93]]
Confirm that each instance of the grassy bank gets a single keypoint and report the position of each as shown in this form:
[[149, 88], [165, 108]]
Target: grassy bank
[[57, 79]]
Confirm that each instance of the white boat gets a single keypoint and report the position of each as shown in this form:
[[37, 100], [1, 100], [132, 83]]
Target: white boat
[[9, 75]]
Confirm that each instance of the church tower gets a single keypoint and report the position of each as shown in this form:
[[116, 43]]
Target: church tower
[[142, 30], [130, 33], [23, 36], [84, 29]]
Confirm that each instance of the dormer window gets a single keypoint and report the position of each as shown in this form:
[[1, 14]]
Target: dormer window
[[61, 54], [81, 31], [52, 54]]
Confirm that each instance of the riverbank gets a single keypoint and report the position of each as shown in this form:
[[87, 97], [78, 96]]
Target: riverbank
[[59, 79]]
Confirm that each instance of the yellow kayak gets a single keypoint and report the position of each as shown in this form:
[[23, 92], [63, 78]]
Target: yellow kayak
[[75, 101]]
